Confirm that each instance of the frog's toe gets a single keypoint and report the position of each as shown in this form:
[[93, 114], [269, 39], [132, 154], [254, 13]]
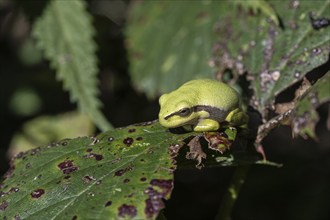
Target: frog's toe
[[238, 118]]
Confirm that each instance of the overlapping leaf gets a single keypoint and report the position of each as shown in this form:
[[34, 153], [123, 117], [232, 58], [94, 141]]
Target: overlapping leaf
[[46, 129], [65, 33], [170, 42]]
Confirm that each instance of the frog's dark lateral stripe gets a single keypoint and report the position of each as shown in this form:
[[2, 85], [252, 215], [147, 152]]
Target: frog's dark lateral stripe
[[215, 113]]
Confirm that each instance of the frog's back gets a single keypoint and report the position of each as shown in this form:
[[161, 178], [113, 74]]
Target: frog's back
[[210, 92]]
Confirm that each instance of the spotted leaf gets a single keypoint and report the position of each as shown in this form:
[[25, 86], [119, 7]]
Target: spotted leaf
[[125, 173], [275, 56]]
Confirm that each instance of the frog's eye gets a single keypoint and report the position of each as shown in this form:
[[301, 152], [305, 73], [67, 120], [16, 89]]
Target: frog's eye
[[184, 112]]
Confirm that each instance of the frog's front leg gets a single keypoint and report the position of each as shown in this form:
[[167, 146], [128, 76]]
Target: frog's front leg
[[238, 118], [207, 124]]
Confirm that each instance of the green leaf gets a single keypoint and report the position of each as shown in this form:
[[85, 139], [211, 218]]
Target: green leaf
[[47, 129], [306, 116], [170, 42], [65, 33], [123, 173], [275, 57]]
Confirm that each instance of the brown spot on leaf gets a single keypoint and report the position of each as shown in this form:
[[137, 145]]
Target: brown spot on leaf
[[87, 179], [108, 203], [63, 142], [127, 211], [165, 185], [128, 141], [143, 179], [97, 157], [154, 203], [110, 139], [318, 23], [27, 165], [116, 160], [316, 51], [122, 171], [139, 138], [153, 206], [75, 217], [3, 205], [67, 167], [126, 180], [131, 130], [13, 189], [37, 193], [129, 195]]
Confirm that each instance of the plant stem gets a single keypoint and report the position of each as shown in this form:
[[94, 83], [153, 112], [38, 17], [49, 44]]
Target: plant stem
[[233, 190]]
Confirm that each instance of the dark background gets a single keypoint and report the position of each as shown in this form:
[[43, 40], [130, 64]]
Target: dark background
[[298, 190]]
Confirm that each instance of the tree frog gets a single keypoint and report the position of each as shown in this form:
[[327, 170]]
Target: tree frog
[[201, 105]]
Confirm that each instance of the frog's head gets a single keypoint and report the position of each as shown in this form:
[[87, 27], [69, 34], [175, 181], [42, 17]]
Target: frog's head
[[176, 110]]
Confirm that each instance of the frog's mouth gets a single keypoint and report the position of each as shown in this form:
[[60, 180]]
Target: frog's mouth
[[175, 120], [208, 111], [191, 116], [175, 124]]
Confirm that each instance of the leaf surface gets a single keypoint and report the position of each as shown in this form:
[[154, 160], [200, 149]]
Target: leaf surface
[[275, 43], [170, 42], [123, 173], [276, 57]]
